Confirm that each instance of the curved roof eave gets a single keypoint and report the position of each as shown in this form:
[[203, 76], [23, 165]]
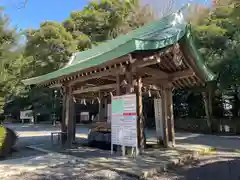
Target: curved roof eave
[[156, 35]]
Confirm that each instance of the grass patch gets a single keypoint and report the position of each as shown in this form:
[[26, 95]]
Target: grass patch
[[237, 150], [208, 151]]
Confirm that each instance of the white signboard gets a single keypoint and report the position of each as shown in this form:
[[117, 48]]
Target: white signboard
[[124, 120], [84, 116], [26, 114], [109, 112], [158, 118]]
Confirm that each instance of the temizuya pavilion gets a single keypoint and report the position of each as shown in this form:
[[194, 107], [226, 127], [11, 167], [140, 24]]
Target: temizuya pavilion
[[157, 57]]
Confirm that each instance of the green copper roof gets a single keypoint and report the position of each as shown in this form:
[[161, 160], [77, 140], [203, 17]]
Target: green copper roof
[[155, 35]]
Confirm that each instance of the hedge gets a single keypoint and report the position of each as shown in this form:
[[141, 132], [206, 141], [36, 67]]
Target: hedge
[[2, 136], [7, 140]]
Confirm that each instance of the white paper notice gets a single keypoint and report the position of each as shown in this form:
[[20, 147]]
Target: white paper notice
[[124, 120]]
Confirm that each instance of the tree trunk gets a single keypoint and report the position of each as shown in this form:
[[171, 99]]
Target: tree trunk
[[140, 119], [207, 99], [63, 121], [236, 105]]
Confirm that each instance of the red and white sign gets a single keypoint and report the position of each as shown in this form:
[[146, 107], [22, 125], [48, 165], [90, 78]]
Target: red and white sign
[[124, 120]]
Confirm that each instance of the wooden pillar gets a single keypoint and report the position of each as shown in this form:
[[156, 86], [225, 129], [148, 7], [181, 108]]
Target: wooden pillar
[[118, 93], [129, 78], [101, 113], [74, 120], [100, 106], [69, 116], [158, 119], [165, 119], [63, 120], [105, 108], [140, 120], [118, 90], [170, 115]]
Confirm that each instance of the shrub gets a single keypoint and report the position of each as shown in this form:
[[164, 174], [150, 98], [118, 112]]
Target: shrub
[[7, 140], [2, 136]]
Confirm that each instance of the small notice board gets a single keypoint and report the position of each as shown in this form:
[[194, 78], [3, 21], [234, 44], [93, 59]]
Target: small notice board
[[124, 120], [28, 114]]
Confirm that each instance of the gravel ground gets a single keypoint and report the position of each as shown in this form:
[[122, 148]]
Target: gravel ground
[[222, 166], [71, 172], [20, 152]]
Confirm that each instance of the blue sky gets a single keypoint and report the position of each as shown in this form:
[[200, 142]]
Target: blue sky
[[37, 11]]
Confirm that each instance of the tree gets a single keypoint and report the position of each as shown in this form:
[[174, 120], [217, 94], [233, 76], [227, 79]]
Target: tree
[[10, 60], [106, 19], [217, 32], [50, 47]]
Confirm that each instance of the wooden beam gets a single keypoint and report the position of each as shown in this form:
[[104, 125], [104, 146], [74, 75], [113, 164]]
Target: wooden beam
[[118, 90], [146, 62], [108, 78], [95, 89], [154, 72], [110, 72], [153, 81], [181, 74], [157, 78]]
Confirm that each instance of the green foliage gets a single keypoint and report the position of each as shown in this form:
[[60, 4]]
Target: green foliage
[[50, 47], [217, 32], [7, 140], [11, 61], [218, 37], [2, 136], [106, 19]]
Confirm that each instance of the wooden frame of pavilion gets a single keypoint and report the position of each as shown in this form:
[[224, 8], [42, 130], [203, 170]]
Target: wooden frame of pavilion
[[157, 57]]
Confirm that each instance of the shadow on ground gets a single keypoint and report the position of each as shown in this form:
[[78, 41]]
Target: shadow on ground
[[221, 143], [211, 169]]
